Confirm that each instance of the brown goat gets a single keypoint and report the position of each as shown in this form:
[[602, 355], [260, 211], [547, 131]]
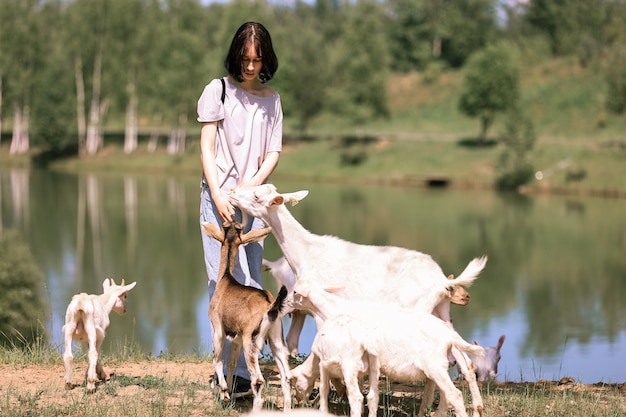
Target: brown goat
[[246, 315]]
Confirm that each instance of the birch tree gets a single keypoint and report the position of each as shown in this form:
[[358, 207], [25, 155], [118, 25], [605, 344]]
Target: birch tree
[[86, 24], [21, 62]]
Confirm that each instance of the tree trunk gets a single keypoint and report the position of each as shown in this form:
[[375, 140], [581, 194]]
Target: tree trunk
[[436, 47], [624, 129], [20, 137], [485, 123], [176, 142], [182, 133], [0, 111], [94, 139], [154, 134], [130, 135], [80, 106]]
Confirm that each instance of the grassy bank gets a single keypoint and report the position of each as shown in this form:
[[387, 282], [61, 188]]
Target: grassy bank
[[32, 385], [580, 149], [577, 168]]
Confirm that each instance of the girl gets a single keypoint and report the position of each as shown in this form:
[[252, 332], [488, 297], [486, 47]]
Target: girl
[[240, 141]]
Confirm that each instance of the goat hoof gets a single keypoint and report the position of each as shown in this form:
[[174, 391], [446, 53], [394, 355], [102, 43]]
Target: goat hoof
[[69, 386], [224, 397]]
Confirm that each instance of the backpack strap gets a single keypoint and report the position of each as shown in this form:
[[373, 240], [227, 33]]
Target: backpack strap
[[223, 90]]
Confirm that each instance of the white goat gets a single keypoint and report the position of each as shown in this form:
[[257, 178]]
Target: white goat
[[298, 412], [246, 315], [406, 345], [86, 320], [283, 275], [304, 375], [366, 272], [486, 367]]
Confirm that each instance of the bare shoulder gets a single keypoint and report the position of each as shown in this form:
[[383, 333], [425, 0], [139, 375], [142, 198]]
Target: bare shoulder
[[265, 91]]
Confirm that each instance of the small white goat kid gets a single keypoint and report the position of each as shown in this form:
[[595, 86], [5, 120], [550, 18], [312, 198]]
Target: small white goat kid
[[486, 367], [246, 315], [394, 275], [86, 320], [365, 338], [283, 275]]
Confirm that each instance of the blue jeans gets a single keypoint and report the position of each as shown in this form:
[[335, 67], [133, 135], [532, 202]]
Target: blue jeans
[[248, 267]]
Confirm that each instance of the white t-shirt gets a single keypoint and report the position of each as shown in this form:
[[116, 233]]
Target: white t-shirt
[[249, 127]]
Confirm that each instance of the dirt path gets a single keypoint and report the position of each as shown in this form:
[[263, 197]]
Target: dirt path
[[165, 387]]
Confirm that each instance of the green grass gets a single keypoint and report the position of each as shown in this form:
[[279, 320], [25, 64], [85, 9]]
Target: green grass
[[32, 385], [602, 168]]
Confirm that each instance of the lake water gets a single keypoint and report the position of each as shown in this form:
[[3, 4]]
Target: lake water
[[555, 282]]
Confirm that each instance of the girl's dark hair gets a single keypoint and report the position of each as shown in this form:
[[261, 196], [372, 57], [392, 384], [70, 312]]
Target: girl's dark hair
[[255, 32]]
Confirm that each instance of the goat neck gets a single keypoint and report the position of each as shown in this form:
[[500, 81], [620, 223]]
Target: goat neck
[[230, 248]]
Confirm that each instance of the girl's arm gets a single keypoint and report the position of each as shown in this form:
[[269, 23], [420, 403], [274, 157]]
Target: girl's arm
[[208, 136], [265, 170]]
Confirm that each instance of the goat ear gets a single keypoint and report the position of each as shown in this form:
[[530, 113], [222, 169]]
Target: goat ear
[[294, 198], [450, 291], [333, 290], [277, 201], [213, 231], [130, 286], [255, 235], [106, 283], [500, 342]]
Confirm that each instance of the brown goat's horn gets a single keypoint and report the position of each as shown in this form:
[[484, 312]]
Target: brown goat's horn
[[122, 284]]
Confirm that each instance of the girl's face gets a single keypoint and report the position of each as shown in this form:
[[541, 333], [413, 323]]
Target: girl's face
[[251, 63]]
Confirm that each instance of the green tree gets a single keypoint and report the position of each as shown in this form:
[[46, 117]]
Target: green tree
[[573, 26], [303, 79], [129, 36], [85, 40], [468, 26], [360, 74], [490, 85], [616, 81], [426, 30], [415, 35], [514, 165], [22, 60], [22, 310], [183, 78], [53, 109]]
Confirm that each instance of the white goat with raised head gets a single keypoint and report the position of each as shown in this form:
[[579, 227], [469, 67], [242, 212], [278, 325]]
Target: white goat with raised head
[[283, 275], [246, 315], [86, 320], [365, 338], [366, 272]]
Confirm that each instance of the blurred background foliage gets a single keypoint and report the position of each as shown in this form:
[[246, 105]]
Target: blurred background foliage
[[23, 311], [73, 72]]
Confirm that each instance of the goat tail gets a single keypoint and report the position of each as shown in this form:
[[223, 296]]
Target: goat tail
[[466, 347], [470, 273], [278, 305]]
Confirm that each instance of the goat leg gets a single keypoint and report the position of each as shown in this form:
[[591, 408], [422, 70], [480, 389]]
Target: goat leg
[[467, 370]]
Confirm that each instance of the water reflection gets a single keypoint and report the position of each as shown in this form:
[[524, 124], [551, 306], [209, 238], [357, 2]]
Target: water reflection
[[554, 282]]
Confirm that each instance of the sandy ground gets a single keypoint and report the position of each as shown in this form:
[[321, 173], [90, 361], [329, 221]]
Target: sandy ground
[[42, 387]]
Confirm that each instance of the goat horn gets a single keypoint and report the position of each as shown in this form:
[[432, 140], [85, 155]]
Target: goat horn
[[112, 281], [122, 284]]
